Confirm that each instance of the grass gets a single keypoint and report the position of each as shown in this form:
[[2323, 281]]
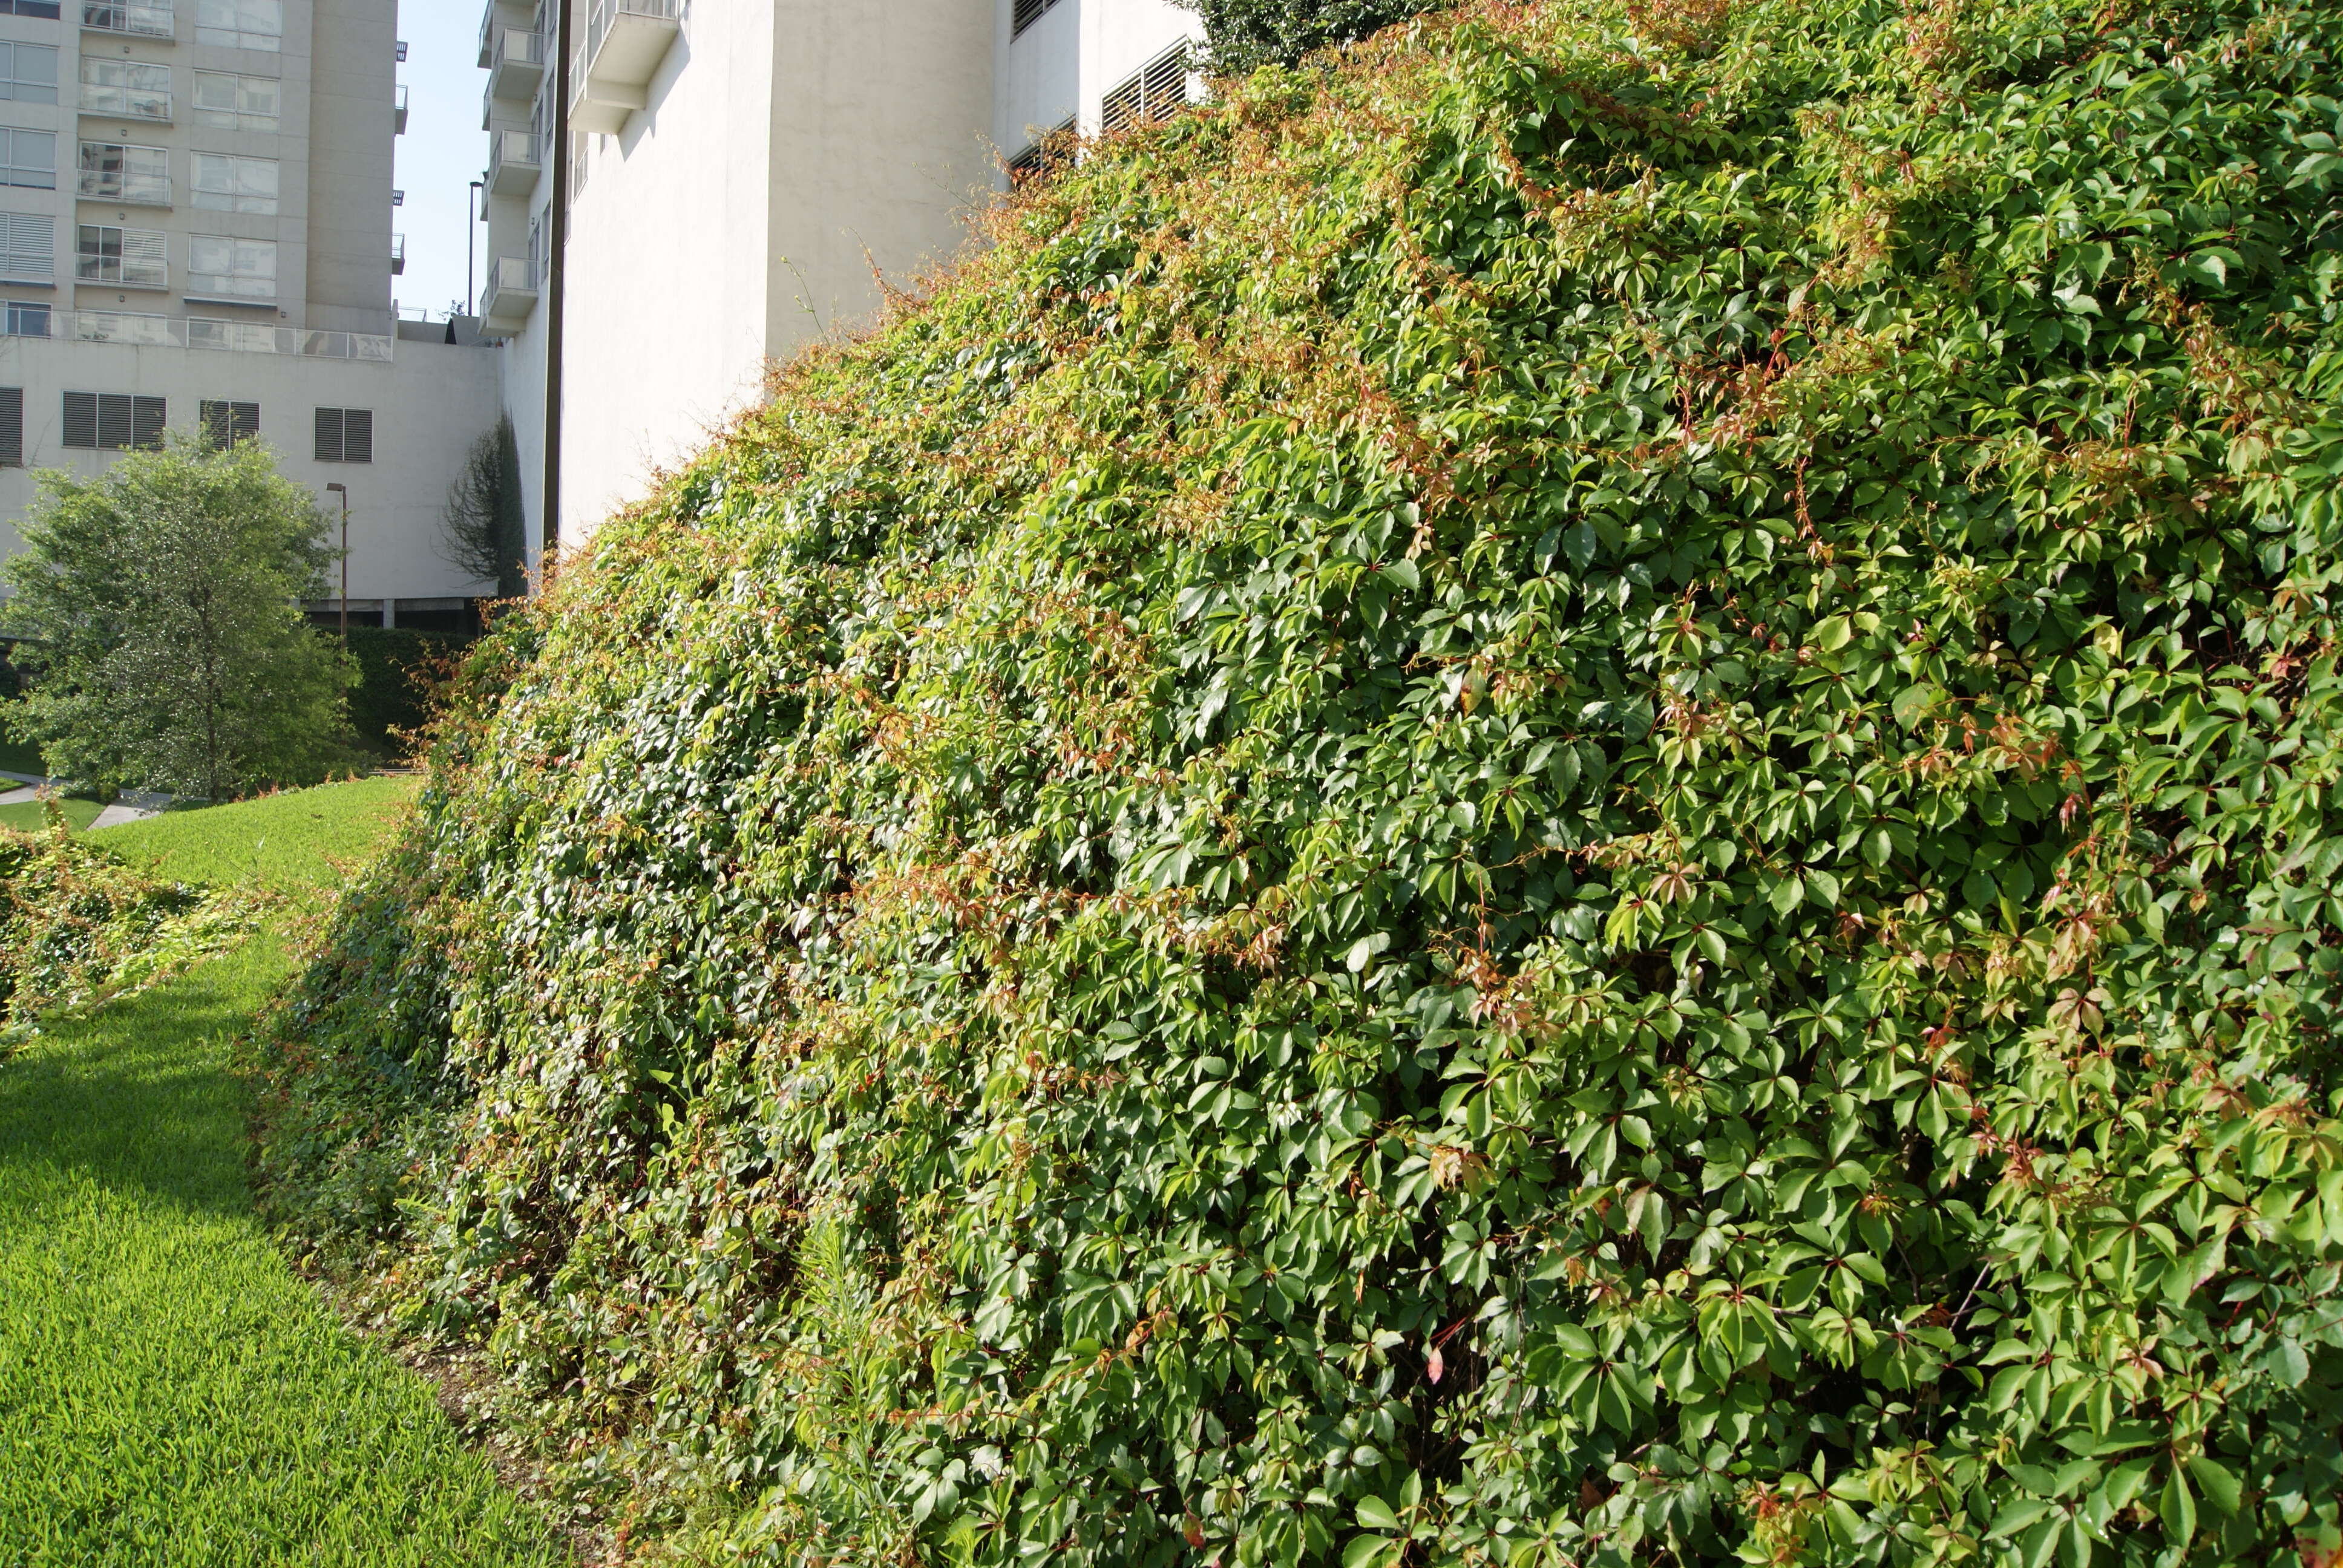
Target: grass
[[170, 1392], [25, 817], [303, 842]]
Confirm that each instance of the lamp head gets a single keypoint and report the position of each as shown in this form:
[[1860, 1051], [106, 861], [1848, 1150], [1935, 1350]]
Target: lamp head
[[343, 490]]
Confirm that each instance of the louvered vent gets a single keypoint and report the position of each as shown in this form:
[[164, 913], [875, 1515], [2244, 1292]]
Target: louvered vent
[[344, 435], [111, 421], [1026, 14], [225, 423], [1156, 93], [81, 419], [12, 426]]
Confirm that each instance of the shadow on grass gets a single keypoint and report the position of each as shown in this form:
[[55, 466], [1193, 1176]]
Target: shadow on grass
[[142, 1101]]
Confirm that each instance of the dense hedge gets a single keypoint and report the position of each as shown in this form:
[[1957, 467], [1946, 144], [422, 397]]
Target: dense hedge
[[398, 671], [1566, 800]]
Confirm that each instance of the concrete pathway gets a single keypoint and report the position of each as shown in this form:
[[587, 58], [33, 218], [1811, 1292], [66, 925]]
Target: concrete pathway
[[131, 806]]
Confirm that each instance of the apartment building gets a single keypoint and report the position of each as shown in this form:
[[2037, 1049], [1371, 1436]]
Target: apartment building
[[196, 232], [680, 192]]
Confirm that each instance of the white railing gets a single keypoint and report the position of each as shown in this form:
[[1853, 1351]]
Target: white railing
[[518, 47], [604, 11], [202, 332], [124, 102], [518, 149], [131, 185], [140, 18], [514, 275]]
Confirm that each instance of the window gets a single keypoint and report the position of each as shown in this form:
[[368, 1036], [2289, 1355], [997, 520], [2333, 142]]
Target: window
[[111, 171], [1155, 94], [1026, 14], [228, 268], [126, 87], [236, 103], [111, 421], [24, 318], [126, 257], [224, 184], [346, 435], [225, 423], [241, 24], [28, 245], [28, 158], [12, 426], [47, 10], [28, 73]]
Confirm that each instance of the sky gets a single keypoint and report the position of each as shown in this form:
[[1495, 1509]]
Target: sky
[[443, 150]]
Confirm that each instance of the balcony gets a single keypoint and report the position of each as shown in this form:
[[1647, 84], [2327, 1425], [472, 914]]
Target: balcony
[[131, 187], [510, 292], [513, 164], [201, 332], [625, 42], [397, 254], [398, 111], [515, 64], [134, 18], [117, 101]]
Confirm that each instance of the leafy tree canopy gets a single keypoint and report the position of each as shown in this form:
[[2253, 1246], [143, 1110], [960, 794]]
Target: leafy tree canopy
[[161, 602], [1565, 799], [1242, 34]]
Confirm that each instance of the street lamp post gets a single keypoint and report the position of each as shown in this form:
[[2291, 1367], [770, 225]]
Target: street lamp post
[[344, 491]]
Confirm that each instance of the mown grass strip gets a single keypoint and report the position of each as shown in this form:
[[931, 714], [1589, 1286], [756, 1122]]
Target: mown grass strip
[[170, 1392]]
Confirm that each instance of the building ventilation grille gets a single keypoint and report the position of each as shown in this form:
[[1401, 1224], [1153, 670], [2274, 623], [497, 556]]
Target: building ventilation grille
[[111, 421], [1026, 14], [225, 423], [1156, 93], [1053, 151], [12, 426], [344, 435]]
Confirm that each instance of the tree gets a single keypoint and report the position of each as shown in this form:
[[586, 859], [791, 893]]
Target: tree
[[483, 530], [1243, 35], [160, 603]]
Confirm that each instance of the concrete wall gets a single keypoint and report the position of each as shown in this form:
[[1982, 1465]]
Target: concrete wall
[[350, 124], [1065, 61], [665, 299], [429, 403]]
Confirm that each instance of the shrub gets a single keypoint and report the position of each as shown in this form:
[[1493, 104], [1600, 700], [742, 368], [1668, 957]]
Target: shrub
[[1566, 798], [77, 927], [161, 605]]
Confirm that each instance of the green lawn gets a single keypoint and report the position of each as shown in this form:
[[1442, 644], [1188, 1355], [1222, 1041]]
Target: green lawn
[[304, 841], [26, 818], [170, 1392]]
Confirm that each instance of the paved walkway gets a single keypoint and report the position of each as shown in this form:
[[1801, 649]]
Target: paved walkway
[[132, 806]]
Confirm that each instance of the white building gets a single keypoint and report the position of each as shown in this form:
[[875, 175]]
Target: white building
[[713, 184], [196, 229]]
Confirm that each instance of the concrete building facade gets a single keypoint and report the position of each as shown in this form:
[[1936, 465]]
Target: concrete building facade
[[196, 232], [704, 187]]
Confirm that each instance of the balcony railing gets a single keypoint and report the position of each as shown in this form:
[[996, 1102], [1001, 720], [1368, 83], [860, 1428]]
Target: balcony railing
[[129, 187], [517, 62], [514, 163], [397, 254], [138, 18], [511, 291], [624, 43], [398, 110], [144, 331], [126, 103]]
